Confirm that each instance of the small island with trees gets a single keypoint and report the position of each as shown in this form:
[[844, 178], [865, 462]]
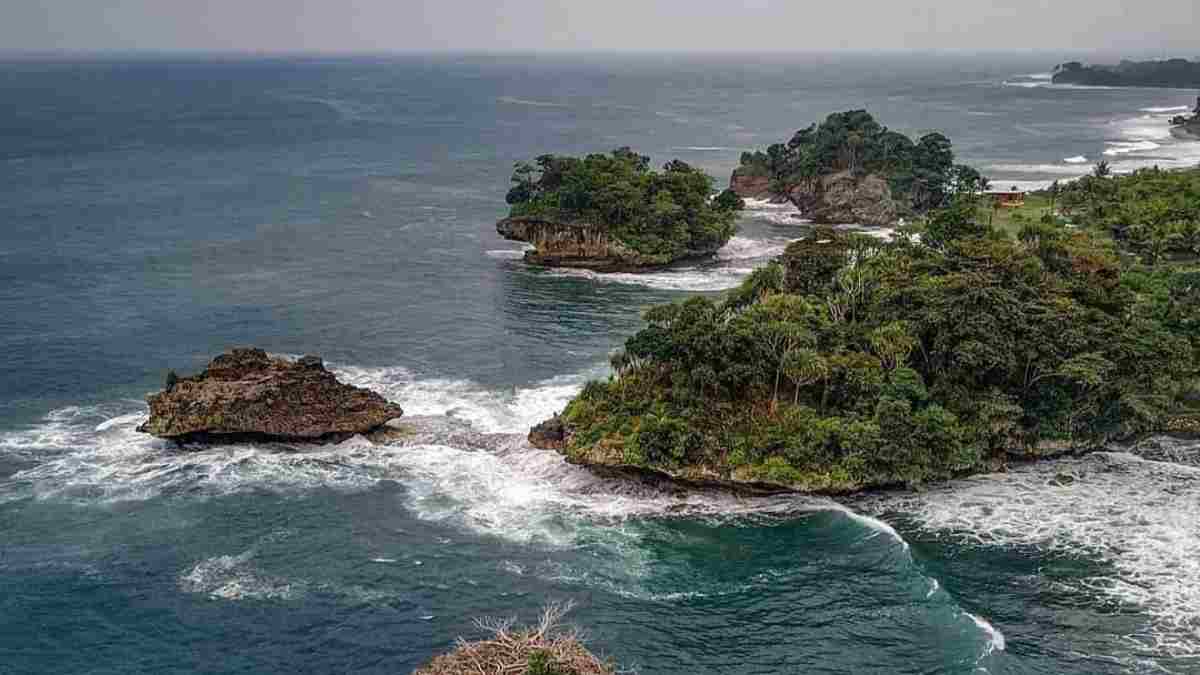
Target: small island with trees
[[612, 212], [958, 347], [1169, 73], [851, 169]]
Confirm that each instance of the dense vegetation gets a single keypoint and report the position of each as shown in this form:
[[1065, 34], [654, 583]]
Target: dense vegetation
[[853, 363], [1153, 213], [1169, 73], [668, 213], [921, 174]]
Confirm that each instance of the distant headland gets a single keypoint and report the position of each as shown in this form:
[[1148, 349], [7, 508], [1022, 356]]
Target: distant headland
[[1170, 73]]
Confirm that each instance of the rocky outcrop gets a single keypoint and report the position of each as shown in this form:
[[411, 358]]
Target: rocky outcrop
[[750, 185], [246, 394], [581, 245], [842, 198], [839, 198], [549, 435]]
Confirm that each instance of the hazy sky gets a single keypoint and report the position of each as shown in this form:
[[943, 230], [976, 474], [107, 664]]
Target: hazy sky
[[1163, 27]]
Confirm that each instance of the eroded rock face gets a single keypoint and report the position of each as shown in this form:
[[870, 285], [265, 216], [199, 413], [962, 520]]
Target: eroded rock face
[[549, 435], [843, 198], [749, 186], [580, 245], [247, 394]]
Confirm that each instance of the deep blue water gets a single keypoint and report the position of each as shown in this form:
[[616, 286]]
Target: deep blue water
[[154, 213]]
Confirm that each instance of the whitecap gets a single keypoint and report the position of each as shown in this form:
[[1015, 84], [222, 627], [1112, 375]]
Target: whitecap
[[1077, 159], [1117, 148], [996, 642], [1132, 513], [1168, 109]]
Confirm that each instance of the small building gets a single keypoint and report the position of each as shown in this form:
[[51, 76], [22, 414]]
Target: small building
[[1007, 199]]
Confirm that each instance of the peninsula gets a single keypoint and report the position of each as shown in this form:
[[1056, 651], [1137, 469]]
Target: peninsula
[[1170, 73], [852, 363]]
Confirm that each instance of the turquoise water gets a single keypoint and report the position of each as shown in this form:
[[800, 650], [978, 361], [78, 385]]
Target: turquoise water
[[155, 213]]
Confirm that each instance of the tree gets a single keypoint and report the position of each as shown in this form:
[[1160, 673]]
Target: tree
[[804, 367]]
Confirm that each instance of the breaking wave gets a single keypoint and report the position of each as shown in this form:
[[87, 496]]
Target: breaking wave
[[1125, 510]]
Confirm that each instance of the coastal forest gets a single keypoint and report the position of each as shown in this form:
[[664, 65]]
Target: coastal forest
[[663, 215], [957, 347], [920, 173]]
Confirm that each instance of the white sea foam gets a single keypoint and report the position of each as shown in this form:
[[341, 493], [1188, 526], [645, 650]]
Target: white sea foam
[[1168, 109], [875, 524], [1135, 515], [1077, 159], [996, 641], [233, 577], [507, 253], [1117, 148], [744, 248]]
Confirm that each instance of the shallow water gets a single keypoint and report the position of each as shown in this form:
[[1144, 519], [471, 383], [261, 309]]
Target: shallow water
[[156, 213]]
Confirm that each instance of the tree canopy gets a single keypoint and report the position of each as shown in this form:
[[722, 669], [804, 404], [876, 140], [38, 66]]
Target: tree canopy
[[922, 171], [852, 362], [668, 213]]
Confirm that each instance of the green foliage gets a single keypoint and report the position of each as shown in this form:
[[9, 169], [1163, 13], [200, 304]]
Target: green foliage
[[851, 363], [667, 213], [542, 662], [922, 172], [1153, 213]]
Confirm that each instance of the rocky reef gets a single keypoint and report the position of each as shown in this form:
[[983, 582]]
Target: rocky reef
[[246, 394], [583, 245]]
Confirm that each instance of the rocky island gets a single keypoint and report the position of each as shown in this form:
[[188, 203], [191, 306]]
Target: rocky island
[[612, 213], [246, 394], [1187, 126], [851, 169], [1169, 73], [852, 363]]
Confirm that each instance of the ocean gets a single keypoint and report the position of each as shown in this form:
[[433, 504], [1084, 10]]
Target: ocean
[[155, 212]]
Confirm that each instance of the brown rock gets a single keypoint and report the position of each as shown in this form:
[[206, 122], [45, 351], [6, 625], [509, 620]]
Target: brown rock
[[581, 245], [843, 198], [549, 435], [247, 394], [751, 186]]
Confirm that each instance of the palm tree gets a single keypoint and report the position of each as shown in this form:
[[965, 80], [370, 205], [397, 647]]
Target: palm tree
[[804, 367]]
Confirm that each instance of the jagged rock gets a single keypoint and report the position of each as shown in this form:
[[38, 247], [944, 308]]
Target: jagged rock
[[247, 394], [549, 435], [845, 198], [838, 198], [582, 245], [752, 186]]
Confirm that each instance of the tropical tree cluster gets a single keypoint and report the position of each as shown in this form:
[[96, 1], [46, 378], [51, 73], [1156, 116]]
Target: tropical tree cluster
[[667, 213], [922, 172], [1152, 212], [853, 362]]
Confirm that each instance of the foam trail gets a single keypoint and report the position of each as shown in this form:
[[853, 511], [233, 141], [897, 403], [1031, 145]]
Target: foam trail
[[1077, 159], [1168, 109], [996, 641], [1128, 511], [875, 524]]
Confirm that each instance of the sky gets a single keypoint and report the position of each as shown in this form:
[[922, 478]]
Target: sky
[[1145, 27]]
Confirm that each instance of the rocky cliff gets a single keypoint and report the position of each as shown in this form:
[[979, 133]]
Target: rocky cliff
[[832, 199], [581, 245], [749, 185], [247, 394]]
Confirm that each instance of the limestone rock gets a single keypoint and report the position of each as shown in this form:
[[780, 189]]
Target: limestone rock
[[247, 394]]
